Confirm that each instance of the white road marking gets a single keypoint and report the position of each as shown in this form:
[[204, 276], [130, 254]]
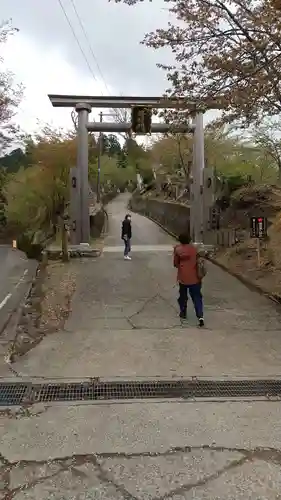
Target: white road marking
[[5, 300], [139, 248], [22, 278]]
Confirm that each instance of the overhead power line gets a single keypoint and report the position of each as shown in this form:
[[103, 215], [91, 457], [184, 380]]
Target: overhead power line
[[117, 112], [77, 40], [89, 43]]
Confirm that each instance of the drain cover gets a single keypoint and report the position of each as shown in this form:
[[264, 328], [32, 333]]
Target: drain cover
[[108, 391], [13, 394], [17, 393]]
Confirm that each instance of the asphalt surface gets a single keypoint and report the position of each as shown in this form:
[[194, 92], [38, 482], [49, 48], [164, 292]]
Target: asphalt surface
[[16, 274], [124, 324]]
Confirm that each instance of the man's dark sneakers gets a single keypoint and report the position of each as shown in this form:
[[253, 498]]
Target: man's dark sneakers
[[183, 316], [201, 322]]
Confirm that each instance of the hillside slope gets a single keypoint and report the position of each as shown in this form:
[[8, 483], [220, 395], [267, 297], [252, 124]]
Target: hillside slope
[[242, 258]]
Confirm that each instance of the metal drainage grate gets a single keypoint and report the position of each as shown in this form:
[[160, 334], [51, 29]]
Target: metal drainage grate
[[109, 390], [154, 389], [15, 394]]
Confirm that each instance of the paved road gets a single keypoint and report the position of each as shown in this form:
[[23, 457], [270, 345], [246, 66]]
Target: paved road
[[134, 305], [124, 324], [16, 272]]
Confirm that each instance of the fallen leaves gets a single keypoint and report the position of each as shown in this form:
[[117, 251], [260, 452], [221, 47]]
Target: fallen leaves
[[58, 289]]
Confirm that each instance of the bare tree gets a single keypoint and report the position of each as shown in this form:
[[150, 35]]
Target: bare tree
[[74, 119], [121, 115]]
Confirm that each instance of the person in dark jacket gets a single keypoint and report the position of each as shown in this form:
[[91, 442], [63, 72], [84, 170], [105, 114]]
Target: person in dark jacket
[[186, 261], [126, 236]]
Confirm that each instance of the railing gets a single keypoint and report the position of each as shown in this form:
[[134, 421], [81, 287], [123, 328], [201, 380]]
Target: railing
[[222, 237]]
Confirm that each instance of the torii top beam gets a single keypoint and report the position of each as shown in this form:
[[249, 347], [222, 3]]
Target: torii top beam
[[70, 101]]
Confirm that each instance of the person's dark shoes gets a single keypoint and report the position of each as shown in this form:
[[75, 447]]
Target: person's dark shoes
[[183, 316], [201, 322]]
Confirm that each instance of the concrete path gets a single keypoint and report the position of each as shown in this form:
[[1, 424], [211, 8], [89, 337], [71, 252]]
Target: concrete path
[[124, 323], [131, 307]]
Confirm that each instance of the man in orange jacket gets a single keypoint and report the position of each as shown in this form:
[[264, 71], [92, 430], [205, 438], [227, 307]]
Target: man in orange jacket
[[185, 260]]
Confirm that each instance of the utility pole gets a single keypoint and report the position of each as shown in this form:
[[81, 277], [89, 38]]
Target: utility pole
[[100, 154]]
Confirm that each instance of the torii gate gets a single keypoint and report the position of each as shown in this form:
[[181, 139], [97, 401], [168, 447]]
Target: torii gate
[[79, 202]]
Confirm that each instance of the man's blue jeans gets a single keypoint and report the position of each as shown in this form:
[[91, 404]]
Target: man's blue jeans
[[127, 248], [196, 297]]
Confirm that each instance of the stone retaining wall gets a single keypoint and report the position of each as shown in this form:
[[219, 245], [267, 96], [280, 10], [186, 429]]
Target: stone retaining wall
[[173, 216], [98, 221]]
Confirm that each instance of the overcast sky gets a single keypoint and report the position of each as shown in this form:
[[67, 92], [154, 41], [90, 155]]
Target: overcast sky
[[46, 58]]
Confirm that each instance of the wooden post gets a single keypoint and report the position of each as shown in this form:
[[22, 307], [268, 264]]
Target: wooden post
[[259, 252], [64, 240]]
